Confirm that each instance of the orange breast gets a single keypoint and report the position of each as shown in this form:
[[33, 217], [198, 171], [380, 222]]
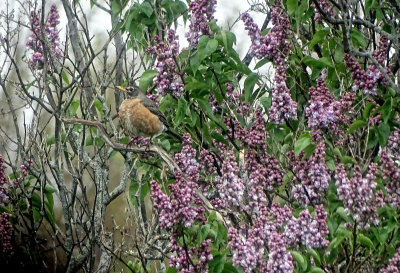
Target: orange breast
[[137, 120]]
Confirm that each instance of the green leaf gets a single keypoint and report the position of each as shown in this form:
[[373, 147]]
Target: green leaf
[[65, 78], [316, 257], [383, 134], [358, 38], [51, 140], [146, 79], [206, 47], [356, 125], [217, 263], [372, 139], [261, 63], [144, 191], [343, 214], [302, 143], [301, 262], [171, 270], [203, 233], [367, 110], [386, 109], [116, 7], [316, 270], [292, 6], [347, 160], [74, 107], [147, 9], [365, 241], [319, 36], [321, 62], [229, 268], [99, 106], [219, 137], [249, 85], [181, 111]]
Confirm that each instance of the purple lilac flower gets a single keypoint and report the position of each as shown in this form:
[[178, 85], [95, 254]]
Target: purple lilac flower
[[391, 172], [202, 14], [357, 194], [179, 207], [230, 186], [314, 177], [201, 254], [264, 174], [323, 110], [3, 183], [167, 79], [312, 232], [163, 205], [326, 8], [186, 160], [367, 81], [279, 260], [394, 142], [394, 264], [274, 46], [6, 231], [36, 44], [325, 113], [282, 107], [247, 247]]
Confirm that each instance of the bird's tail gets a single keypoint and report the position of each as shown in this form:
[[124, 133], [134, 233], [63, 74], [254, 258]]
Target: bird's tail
[[173, 134]]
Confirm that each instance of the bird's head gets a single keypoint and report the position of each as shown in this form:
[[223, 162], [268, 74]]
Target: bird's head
[[131, 91]]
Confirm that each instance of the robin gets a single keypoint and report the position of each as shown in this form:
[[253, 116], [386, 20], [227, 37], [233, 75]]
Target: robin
[[139, 115]]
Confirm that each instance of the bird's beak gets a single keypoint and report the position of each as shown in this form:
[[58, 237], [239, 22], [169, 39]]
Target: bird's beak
[[122, 88]]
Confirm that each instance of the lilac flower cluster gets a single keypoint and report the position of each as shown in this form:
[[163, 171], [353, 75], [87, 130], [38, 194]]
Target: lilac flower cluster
[[186, 160], [323, 110], [394, 264], [278, 229], [36, 42], [274, 46], [283, 107], [247, 247], [391, 172], [367, 81], [206, 161], [201, 254], [358, 196], [6, 231], [256, 135], [202, 14], [326, 8], [230, 186], [180, 207], [394, 142], [279, 260], [314, 177], [312, 232], [264, 175], [3, 183], [167, 79]]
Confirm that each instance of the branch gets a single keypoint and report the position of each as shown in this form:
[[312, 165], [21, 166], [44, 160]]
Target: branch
[[135, 149]]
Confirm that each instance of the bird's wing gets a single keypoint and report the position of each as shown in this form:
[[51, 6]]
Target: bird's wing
[[152, 106]]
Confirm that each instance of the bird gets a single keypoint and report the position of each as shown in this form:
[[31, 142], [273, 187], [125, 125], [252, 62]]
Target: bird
[[140, 116]]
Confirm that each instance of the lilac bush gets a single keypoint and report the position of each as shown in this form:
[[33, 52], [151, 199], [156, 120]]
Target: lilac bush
[[36, 40]]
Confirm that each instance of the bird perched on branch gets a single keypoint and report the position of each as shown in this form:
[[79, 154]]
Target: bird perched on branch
[[140, 116]]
